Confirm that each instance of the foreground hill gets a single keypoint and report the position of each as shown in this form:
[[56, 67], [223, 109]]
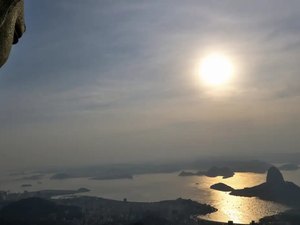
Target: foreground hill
[[34, 211], [98, 211]]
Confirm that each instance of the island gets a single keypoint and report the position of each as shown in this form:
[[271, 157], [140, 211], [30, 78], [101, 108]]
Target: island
[[221, 187], [95, 176], [224, 172]]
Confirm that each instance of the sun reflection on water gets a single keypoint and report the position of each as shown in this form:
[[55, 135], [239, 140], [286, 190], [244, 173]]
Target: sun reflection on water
[[233, 208]]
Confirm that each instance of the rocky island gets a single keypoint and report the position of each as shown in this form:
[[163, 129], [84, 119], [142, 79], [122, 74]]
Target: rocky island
[[221, 187], [224, 172], [274, 189]]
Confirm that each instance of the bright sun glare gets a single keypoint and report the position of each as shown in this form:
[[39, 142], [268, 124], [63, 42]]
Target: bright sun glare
[[216, 70]]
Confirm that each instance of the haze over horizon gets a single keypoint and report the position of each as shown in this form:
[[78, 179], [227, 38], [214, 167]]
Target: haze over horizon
[[117, 81]]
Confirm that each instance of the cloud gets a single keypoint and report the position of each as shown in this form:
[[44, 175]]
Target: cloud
[[107, 78]]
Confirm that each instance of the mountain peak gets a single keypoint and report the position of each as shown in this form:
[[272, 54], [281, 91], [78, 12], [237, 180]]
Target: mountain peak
[[274, 176]]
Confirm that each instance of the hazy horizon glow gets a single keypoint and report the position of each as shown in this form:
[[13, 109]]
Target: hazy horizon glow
[[118, 81]]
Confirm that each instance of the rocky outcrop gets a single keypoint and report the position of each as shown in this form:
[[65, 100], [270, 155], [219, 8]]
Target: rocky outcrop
[[274, 189], [274, 177], [221, 187]]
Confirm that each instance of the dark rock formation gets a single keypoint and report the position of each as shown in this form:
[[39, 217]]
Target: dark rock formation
[[39, 211], [221, 187], [225, 172], [274, 177], [274, 189], [12, 26], [291, 217]]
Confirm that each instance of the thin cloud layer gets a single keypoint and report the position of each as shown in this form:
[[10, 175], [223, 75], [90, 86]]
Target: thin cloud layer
[[107, 81]]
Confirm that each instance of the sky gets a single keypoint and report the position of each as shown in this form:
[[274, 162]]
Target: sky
[[118, 81]]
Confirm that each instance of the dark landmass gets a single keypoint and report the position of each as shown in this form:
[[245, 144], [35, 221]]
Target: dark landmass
[[186, 174], [46, 194], [26, 185], [290, 217], [227, 169], [221, 187], [225, 172], [121, 171], [247, 166], [167, 209], [98, 211], [34, 211], [289, 167], [274, 189]]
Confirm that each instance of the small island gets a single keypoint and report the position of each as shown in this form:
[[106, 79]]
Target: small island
[[221, 187]]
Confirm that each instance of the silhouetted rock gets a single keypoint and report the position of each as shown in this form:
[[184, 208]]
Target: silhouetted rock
[[221, 187], [225, 172], [290, 217], [274, 189], [274, 176], [38, 211]]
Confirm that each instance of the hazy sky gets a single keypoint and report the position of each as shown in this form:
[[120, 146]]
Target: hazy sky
[[115, 81]]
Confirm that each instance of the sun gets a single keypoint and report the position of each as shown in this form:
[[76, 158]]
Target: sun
[[216, 70]]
